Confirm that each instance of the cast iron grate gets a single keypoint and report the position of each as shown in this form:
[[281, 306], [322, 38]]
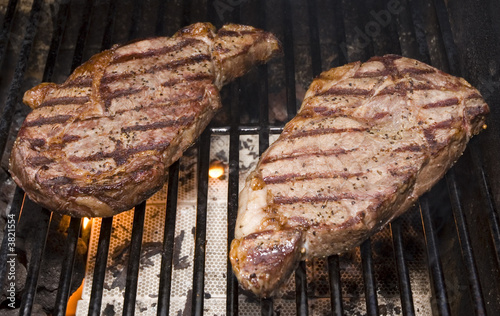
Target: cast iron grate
[[46, 40]]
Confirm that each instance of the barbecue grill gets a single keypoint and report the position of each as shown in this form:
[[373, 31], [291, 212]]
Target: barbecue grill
[[169, 254]]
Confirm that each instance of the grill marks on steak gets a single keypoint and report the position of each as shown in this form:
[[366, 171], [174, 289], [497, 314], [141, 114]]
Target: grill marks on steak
[[160, 74], [65, 100], [153, 50], [101, 142], [368, 140]]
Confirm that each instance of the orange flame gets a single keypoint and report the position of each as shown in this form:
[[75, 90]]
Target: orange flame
[[86, 222], [216, 170]]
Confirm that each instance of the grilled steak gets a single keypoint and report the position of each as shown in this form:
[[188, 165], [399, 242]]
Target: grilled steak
[[369, 139], [101, 142]]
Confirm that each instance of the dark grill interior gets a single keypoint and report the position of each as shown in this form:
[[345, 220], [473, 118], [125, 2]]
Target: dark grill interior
[[454, 228]]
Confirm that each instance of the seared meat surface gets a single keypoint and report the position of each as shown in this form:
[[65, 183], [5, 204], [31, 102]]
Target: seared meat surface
[[369, 139], [102, 141]]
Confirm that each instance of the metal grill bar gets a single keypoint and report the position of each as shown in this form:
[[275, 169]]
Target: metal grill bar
[[22, 62], [403, 273], [466, 244], [160, 19], [232, 200], [100, 267], [246, 129], [15, 210], [335, 286], [55, 44], [262, 92], [267, 307], [314, 36], [166, 274], [418, 47], [107, 39], [168, 240], [201, 225], [340, 33], [6, 27], [406, 32], [288, 48], [133, 260], [446, 40], [435, 267], [369, 278], [301, 289], [136, 14], [67, 267], [488, 197], [36, 259], [82, 35]]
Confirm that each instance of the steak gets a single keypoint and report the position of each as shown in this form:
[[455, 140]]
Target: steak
[[368, 140], [102, 141]]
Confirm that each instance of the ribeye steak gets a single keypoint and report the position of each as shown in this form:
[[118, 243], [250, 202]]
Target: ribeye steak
[[101, 142], [369, 139]]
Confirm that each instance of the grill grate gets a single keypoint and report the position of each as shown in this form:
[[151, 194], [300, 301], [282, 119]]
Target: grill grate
[[454, 229]]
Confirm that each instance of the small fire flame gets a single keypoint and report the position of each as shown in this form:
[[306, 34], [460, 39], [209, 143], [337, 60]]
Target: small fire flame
[[73, 301], [86, 222], [216, 170]]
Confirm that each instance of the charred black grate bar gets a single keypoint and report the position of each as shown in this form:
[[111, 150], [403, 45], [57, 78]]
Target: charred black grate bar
[[440, 258]]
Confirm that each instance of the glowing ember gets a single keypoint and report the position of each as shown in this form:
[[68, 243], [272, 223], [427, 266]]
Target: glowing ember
[[86, 222], [216, 170], [73, 301]]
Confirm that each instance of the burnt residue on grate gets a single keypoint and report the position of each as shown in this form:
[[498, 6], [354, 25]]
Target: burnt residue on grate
[[120, 257], [180, 262]]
